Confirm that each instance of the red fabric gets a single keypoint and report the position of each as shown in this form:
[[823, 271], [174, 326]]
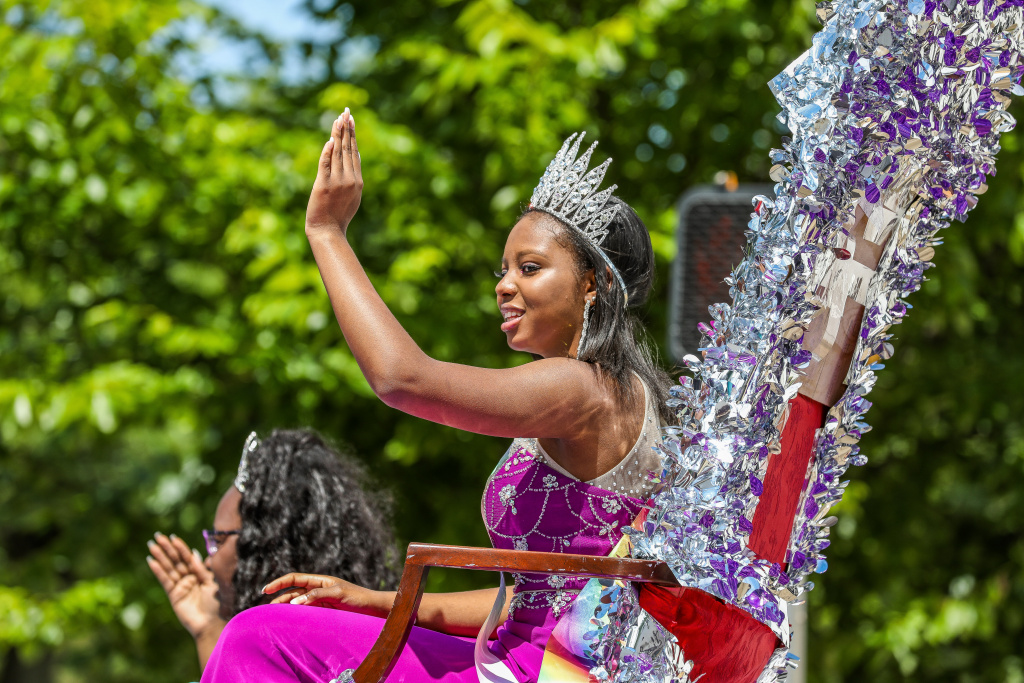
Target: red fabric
[[725, 643], [784, 481]]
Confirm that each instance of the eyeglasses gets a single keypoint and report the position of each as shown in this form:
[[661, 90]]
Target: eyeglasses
[[215, 539]]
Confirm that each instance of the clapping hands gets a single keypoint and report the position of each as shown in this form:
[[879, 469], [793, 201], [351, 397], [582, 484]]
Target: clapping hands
[[188, 583]]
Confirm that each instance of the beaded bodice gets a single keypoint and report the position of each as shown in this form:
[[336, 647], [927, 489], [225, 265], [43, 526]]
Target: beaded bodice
[[531, 503]]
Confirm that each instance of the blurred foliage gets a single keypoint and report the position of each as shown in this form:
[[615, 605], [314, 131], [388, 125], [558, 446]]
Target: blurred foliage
[[158, 301]]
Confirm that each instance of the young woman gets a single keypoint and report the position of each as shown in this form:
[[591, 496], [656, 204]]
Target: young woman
[[296, 505], [585, 415]]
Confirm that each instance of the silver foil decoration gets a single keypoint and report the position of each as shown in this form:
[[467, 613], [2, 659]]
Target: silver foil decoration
[[607, 630], [897, 109]]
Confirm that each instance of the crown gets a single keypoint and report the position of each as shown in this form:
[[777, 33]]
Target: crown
[[242, 478], [569, 192]]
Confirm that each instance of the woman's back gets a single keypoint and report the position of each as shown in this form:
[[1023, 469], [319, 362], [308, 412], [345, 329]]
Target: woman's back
[[573, 265]]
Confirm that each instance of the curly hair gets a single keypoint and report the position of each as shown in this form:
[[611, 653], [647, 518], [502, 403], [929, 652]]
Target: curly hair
[[306, 509]]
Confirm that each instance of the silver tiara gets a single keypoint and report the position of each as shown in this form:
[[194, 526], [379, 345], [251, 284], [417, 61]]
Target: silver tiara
[[570, 193], [242, 478]]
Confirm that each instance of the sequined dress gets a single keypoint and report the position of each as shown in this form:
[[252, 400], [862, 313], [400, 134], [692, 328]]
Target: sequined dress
[[529, 503]]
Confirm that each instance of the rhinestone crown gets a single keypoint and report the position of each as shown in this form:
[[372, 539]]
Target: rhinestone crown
[[569, 192]]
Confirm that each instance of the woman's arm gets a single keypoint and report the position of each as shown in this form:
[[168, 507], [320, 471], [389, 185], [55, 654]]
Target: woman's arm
[[206, 640], [545, 399], [458, 614]]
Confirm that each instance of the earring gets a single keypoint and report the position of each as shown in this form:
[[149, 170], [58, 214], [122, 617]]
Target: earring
[[586, 323]]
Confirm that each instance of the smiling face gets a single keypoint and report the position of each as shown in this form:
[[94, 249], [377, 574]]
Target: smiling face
[[541, 291]]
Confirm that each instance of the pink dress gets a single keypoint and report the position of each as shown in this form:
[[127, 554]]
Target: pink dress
[[530, 503]]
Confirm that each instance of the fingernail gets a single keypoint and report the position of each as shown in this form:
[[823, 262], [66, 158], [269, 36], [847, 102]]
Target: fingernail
[[299, 600], [198, 555], [149, 558], [352, 122], [157, 535], [347, 111], [174, 537], [264, 589], [150, 544]]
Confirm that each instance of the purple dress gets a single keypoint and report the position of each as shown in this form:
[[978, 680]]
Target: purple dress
[[530, 503]]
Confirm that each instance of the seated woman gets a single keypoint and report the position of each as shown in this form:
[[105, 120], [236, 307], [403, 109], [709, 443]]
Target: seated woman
[[296, 505], [584, 416]]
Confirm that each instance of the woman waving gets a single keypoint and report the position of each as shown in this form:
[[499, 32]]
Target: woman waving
[[584, 417]]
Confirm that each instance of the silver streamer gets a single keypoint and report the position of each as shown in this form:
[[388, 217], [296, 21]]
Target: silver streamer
[[895, 112], [628, 644]]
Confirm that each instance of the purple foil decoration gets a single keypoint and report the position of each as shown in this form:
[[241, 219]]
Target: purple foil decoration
[[895, 110]]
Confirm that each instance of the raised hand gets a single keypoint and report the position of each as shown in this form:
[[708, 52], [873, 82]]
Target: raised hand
[[339, 181], [326, 591], [188, 583]]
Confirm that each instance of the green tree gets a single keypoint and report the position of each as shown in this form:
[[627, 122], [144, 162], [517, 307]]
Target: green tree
[[158, 301]]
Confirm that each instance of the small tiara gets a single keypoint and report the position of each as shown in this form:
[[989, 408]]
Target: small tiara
[[242, 478], [570, 193]]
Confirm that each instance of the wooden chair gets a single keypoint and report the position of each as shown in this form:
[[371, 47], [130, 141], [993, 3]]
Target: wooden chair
[[420, 557]]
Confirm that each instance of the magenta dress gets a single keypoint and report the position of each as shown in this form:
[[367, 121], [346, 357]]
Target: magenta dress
[[530, 503]]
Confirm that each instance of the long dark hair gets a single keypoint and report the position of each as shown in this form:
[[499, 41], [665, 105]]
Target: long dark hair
[[615, 341], [306, 509]]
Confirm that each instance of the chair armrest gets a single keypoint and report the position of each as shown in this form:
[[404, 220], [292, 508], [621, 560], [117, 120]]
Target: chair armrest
[[420, 557], [494, 560]]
